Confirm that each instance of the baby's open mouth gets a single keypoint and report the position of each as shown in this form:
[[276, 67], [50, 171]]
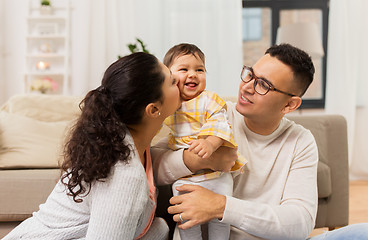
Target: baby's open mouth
[[191, 84]]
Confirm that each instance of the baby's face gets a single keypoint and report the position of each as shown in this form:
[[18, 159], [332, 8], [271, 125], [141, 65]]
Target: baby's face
[[190, 71]]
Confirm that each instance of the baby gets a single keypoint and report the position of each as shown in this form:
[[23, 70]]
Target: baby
[[200, 125]]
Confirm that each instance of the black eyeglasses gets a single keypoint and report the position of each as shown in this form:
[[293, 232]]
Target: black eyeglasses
[[261, 86]]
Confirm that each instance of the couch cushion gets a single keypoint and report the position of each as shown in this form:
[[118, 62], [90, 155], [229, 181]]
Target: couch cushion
[[324, 180], [29, 143], [48, 108], [24, 190]]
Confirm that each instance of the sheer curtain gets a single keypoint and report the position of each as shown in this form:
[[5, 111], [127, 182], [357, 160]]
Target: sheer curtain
[[346, 91], [2, 54], [102, 29], [12, 47], [99, 31], [215, 27]]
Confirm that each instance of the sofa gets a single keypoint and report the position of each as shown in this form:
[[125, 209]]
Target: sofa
[[32, 130], [34, 127]]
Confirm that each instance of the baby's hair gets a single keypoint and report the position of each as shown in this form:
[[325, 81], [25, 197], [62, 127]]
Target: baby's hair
[[182, 49]]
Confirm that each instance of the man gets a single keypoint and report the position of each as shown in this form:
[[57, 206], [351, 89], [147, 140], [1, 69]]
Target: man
[[276, 197]]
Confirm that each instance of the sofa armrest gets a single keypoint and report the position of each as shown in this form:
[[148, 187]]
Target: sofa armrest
[[330, 132], [24, 190]]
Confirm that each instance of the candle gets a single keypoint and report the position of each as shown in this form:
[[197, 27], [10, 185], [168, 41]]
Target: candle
[[42, 65]]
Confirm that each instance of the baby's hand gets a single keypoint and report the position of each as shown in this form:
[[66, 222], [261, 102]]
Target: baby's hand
[[201, 147]]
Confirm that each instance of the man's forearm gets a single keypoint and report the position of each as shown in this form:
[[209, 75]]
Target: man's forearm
[[168, 165], [193, 162]]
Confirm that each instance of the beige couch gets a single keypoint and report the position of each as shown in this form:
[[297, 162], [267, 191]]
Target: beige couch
[[32, 129]]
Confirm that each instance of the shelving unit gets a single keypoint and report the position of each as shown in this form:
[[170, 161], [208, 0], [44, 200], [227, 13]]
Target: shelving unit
[[48, 48]]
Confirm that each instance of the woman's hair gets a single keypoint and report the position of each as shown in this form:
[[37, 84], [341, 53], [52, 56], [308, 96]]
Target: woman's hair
[[299, 61], [182, 49], [97, 139]]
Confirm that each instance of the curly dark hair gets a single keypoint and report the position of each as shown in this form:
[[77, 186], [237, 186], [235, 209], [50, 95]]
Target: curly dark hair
[[96, 142], [299, 61]]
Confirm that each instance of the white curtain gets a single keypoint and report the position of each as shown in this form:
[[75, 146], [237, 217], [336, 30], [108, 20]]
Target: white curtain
[[215, 27], [12, 47], [95, 43], [2, 54], [102, 29], [346, 91]]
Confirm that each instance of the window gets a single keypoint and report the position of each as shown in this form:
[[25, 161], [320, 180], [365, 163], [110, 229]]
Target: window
[[261, 19], [252, 24]]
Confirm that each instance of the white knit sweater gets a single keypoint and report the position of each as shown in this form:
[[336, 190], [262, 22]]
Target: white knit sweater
[[117, 208], [276, 197]]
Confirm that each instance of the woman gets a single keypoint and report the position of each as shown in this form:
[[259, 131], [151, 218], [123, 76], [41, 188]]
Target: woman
[[106, 190]]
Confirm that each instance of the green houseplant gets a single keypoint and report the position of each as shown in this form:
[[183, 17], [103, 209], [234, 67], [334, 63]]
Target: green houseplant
[[134, 47], [138, 46], [46, 8], [45, 3]]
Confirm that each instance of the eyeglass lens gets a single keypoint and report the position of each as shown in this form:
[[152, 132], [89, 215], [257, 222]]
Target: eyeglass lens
[[260, 86]]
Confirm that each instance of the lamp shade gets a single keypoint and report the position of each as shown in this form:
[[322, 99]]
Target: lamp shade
[[305, 36]]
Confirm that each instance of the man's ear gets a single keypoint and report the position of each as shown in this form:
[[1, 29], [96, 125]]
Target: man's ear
[[292, 105], [152, 110]]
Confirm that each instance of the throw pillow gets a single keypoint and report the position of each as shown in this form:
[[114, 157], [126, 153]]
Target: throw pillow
[[30, 143], [43, 107]]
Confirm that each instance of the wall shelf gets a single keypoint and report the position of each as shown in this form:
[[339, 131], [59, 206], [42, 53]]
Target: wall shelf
[[47, 58]]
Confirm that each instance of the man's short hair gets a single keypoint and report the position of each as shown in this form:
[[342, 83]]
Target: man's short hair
[[298, 60]]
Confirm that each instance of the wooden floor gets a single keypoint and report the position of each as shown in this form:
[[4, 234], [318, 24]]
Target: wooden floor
[[358, 204]]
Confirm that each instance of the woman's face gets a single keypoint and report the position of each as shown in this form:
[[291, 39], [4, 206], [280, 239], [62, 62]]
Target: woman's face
[[171, 98]]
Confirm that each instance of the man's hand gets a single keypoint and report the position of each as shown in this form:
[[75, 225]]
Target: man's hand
[[221, 160], [196, 205]]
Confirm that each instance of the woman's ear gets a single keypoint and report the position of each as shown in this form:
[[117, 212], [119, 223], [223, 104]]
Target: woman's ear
[[152, 110], [292, 105]]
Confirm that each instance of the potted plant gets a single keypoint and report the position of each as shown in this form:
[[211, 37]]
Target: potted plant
[[135, 48], [43, 85], [46, 8], [138, 46]]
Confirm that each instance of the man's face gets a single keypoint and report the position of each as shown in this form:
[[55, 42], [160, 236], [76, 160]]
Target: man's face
[[265, 108]]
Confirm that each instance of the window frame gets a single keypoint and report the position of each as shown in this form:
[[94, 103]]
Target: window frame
[[276, 6]]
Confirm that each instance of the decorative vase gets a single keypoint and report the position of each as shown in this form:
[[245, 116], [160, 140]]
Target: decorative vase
[[46, 10]]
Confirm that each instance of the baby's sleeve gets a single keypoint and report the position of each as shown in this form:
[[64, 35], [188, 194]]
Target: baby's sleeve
[[217, 123]]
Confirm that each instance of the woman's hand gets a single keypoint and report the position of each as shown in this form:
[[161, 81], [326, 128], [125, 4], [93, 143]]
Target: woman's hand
[[196, 205]]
